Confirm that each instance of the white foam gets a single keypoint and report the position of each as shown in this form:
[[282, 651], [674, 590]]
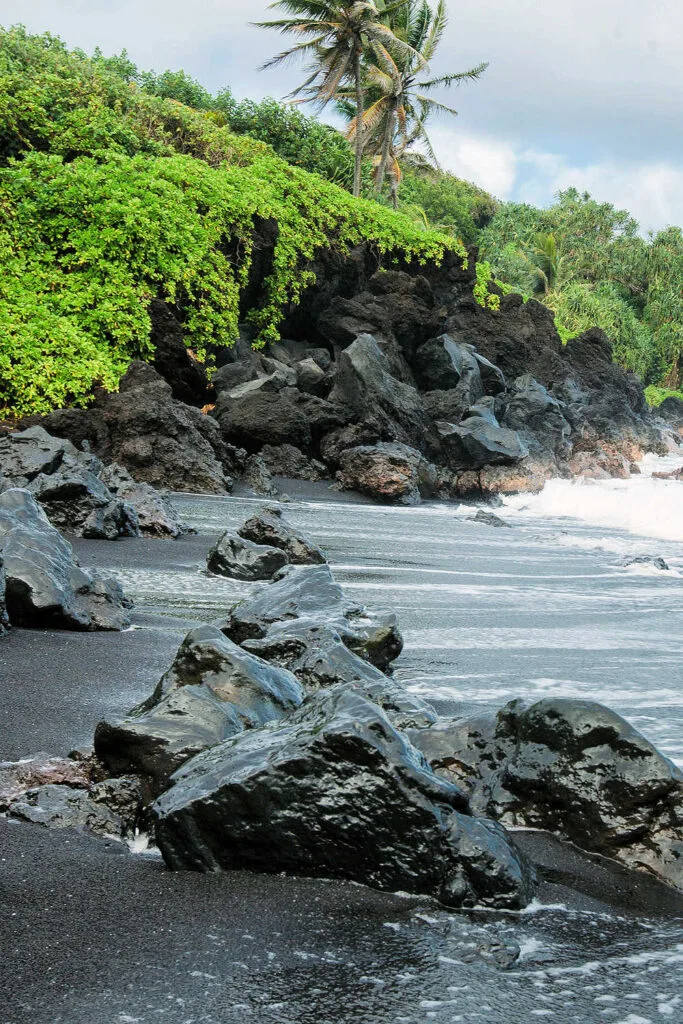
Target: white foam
[[642, 505]]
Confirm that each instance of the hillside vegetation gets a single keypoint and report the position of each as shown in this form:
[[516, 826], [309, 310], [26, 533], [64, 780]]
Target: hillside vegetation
[[118, 185], [111, 194]]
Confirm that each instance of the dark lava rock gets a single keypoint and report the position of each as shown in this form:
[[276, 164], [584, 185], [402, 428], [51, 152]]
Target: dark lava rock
[[241, 559], [310, 593], [174, 361], [4, 618], [364, 384], [653, 560], [271, 528], [366, 432], [316, 654], [488, 519], [672, 410], [538, 417], [159, 440], [475, 443], [155, 515], [388, 472], [68, 485], [256, 477], [213, 690], [442, 363], [572, 767], [287, 460], [109, 808], [336, 791], [45, 586]]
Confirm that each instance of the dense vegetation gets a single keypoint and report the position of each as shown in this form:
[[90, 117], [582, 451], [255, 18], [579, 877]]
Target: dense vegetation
[[111, 194], [118, 184]]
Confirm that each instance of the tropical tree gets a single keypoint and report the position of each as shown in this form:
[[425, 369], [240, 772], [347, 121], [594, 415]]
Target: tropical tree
[[399, 87], [335, 35]]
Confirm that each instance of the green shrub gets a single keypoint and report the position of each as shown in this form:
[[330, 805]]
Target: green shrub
[[655, 396]]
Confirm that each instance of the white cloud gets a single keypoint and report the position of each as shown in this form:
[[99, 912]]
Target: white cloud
[[490, 163]]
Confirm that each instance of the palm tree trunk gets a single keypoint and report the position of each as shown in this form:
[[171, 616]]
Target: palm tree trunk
[[386, 146], [358, 166]]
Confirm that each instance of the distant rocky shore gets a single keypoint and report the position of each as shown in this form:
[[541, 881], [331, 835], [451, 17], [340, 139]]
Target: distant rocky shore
[[396, 384]]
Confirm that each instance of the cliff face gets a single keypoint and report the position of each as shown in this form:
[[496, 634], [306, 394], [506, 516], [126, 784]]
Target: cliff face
[[396, 381]]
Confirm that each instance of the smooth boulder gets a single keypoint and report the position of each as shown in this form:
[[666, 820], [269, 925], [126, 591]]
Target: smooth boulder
[[572, 767], [213, 690], [45, 586], [241, 559], [336, 791], [309, 593], [476, 443]]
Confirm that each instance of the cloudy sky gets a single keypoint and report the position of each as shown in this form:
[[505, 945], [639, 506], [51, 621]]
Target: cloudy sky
[[578, 92]]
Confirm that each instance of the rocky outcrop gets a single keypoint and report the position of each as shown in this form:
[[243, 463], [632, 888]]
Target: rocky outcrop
[[572, 767], [213, 690], [311, 595], [254, 802], [476, 443], [174, 361], [155, 515], [110, 808], [45, 586], [159, 440]]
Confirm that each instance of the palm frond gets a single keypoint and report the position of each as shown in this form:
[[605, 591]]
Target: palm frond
[[461, 76]]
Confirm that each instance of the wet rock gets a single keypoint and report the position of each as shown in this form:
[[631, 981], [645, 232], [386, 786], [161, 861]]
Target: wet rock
[[213, 690], [388, 472], [4, 619], [241, 559], [310, 594], [45, 586], [109, 808], [26, 454], [366, 432], [318, 657], [336, 790], [311, 378], [155, 514], [572, 767], [672, 410], [653, 560], [286, 460], [475, 443], [488, 519], [270, 527], [17, 777], [363, 384]]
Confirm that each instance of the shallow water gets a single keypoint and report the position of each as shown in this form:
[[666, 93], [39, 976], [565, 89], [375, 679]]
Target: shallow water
[[544, 608]]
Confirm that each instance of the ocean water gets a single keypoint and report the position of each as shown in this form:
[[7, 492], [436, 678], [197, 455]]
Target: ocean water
[[546, 607]]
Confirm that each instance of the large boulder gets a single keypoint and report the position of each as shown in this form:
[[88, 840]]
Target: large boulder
[[45, 586], [241, 559], [672, 410], [475, 443], [364, 383], [573, 767], [310, 593], [108, 808], [155, 514], [536, 415], [388, 472], [213, 690], [174, 361], [159, 440], [271, 528], [442, 363], [288, 460], [318, 657], [336, 790]]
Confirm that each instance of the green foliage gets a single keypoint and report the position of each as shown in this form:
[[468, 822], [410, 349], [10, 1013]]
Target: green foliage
[[124, 195], [588, 262], [655, 396], [449, 203], [485, 298]]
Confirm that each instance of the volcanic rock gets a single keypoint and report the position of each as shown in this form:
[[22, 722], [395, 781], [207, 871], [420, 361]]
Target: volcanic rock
[[270, 527], [388, 472], [241, 559]]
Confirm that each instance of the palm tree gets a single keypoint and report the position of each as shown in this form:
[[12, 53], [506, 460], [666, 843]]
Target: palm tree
[[334, 33], [400, 105]]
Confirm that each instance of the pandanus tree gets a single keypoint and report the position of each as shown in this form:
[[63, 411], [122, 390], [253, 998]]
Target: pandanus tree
[[398, 87], [335, 35]]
